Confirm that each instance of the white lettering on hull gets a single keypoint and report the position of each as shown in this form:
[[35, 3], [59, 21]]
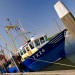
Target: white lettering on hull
[[39, 53]]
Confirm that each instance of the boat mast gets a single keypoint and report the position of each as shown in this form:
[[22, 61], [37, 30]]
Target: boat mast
[[24, 36], [8, 31], [15, 48], [57, 25], [8, 28]]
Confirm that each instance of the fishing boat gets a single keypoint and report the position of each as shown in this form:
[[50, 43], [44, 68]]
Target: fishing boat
[[38, 53]]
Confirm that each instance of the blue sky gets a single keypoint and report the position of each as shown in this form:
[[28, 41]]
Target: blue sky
[[37, 16]]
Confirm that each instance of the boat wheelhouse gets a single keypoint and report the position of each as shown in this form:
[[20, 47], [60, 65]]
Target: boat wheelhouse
[[33, 45]]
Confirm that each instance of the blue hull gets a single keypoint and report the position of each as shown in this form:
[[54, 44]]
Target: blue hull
[[48, 54]]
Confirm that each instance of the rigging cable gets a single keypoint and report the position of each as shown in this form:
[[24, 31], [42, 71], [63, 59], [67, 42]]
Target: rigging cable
[[5, 41], [26, 37]]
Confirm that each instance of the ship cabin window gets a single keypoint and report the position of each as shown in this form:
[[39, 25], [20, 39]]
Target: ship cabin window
[[23, 51], [45, 38], [27, 48], [37, 42], [31, 45], [42, 40]]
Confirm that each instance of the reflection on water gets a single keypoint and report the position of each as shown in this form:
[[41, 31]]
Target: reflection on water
[[70, 48]]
